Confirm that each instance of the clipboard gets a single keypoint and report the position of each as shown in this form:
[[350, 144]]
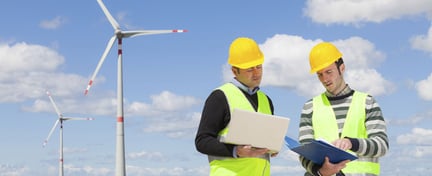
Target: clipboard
[[317, 150]]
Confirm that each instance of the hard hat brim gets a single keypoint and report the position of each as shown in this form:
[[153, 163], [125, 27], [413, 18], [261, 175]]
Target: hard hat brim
[[250, 64]]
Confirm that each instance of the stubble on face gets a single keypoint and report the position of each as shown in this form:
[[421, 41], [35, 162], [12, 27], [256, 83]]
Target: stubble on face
[[331, 78]]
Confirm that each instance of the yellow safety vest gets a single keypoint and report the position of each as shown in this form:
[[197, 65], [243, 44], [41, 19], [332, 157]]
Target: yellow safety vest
[[325, 127], [229, 166]]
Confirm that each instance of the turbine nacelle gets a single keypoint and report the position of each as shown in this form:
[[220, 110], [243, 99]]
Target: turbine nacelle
[[118, 33]]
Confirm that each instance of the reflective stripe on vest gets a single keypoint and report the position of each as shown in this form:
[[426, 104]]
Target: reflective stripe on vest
[[354, 127], [228, 166]]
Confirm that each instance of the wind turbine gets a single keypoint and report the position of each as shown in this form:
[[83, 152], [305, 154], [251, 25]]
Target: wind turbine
[[60, 121], [119, 35]]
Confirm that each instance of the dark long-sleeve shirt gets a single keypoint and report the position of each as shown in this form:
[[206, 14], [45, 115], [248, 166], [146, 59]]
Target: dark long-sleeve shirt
[[215, 117]]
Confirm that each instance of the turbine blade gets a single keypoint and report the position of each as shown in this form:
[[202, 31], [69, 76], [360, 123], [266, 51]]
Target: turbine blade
[[50, 133], [102, 59], [77, 118], [59, 114], [111, 19], [150, 32]]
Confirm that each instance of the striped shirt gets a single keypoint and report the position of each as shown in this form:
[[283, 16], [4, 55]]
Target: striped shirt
[[369, 149]]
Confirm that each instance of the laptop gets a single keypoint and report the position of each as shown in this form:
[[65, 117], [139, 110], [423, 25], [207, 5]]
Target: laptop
[[256, 129]]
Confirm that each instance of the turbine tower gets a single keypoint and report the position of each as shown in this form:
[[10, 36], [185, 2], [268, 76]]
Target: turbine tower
[[119, 35], [60, 121]]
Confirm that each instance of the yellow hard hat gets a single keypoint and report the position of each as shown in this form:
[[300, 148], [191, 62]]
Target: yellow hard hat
[[245, 53], [322, 55]]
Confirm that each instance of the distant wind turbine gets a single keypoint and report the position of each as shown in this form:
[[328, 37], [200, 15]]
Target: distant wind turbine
[[119, 35], [60, 121]]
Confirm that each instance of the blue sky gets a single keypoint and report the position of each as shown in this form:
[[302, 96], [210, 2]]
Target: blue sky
[[55, 45]]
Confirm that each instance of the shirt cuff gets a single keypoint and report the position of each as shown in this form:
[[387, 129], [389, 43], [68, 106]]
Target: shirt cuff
[[235, 152], [315, 169], [354, 144]]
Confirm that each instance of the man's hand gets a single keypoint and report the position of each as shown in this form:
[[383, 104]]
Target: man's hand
[[329, 168], [344, 144], [249, 151]]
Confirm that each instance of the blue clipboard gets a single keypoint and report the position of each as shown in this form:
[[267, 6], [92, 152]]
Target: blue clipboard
[[317, 150]]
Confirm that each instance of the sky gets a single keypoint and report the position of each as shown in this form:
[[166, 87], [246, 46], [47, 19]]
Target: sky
[[56, 45]]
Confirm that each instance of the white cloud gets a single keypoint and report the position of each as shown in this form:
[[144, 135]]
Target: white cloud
[[23, 57], [423, 151], [166, 101], [172, 171], [287, 62], [131, 170], [140, 108], [53, 24], [74, 150], [13, 170], [68, 104], [357, 11], [87, 170], [418, 136], [168, 113], [417, 143], [153, 156], [412, 120], [175, 125], [369, 80], [423, 42], [287, 65], [28, 70], [424, 88]]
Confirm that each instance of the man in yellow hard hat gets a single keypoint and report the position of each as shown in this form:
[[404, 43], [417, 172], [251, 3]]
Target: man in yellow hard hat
[[246, 59], [349, 119]]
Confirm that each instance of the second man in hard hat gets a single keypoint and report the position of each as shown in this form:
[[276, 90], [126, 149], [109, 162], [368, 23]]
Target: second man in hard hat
[[350, 119], [246, 59]]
